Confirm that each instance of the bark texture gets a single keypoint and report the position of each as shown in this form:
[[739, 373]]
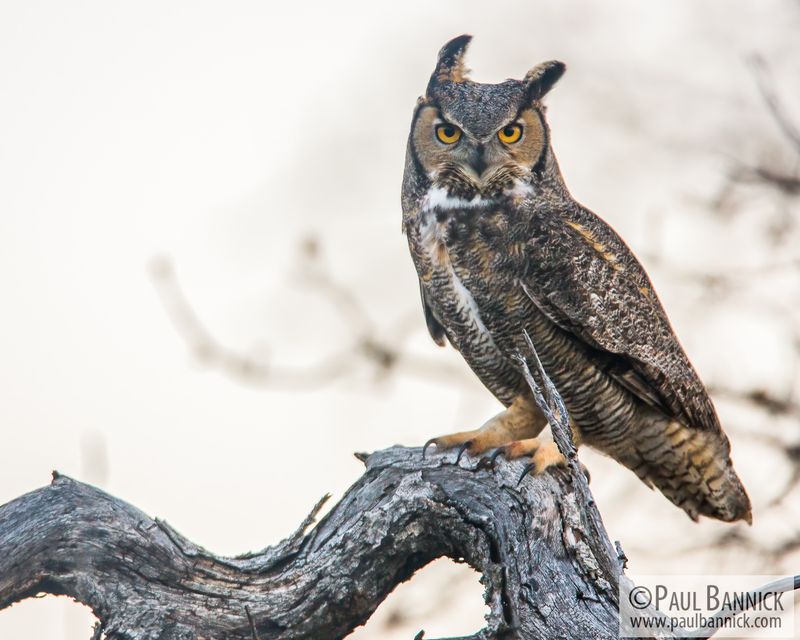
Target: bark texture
[[548, 568]]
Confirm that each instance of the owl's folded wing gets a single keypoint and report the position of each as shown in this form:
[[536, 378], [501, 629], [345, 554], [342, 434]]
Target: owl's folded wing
[[590, 284], [435, 327]]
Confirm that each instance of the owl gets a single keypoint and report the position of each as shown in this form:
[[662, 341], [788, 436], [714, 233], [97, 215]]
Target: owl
[[501, 248]]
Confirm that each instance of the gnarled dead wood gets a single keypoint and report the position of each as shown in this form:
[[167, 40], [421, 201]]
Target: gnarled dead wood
[[546, 575]]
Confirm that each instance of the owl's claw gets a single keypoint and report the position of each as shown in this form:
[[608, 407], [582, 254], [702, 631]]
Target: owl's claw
[[464, 446], [496, 454], [530, 466], [520, 420], [435, 442], [490, 461]]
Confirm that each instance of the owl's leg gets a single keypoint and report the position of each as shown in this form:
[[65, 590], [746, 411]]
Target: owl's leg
[[520, 421]]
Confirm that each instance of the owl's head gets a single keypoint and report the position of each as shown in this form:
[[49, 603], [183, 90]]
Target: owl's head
[[474, 138]]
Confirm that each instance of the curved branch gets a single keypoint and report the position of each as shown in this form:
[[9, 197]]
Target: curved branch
[[545, 574]]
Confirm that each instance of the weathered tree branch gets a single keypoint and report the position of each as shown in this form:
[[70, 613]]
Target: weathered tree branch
[[545, 574]]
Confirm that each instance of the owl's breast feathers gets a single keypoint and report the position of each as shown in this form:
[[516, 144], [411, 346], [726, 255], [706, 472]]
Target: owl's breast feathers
[[462, 284], [481, 262]]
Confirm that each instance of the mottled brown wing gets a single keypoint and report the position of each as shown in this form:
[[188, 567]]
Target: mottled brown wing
[[581, 274], [435, 327]]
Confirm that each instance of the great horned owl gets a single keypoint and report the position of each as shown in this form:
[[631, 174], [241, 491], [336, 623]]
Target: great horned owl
[[501, 247]]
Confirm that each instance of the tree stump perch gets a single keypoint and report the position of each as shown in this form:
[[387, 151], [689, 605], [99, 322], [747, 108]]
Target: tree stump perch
[[546, 572]]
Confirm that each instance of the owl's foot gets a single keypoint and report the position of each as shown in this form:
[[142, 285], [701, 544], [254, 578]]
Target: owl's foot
[[521, 420], [543, 454]]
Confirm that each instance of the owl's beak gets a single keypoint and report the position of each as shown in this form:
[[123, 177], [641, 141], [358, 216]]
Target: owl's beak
[[478, 161]]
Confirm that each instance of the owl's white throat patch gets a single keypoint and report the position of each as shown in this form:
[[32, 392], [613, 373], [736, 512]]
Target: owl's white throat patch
[[440, 198]]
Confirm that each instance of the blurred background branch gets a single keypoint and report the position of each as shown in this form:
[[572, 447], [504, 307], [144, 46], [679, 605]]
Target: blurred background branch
[[381, 351]]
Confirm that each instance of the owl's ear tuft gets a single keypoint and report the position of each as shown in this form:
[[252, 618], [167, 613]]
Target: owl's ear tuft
[[539, 80], [450, 65]]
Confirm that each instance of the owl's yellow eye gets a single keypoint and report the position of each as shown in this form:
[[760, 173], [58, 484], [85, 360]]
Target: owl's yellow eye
[[448, 133], [510, 134]]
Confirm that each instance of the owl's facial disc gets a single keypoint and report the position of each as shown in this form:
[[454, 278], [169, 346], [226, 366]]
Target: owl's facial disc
[[455, 155]]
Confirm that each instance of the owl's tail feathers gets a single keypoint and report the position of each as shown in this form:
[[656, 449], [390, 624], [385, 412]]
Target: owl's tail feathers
[[692, 468]]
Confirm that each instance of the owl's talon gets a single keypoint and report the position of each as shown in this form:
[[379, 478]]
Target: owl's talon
[[466, 445], [500, 451], [530, 466], [430, 442]]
